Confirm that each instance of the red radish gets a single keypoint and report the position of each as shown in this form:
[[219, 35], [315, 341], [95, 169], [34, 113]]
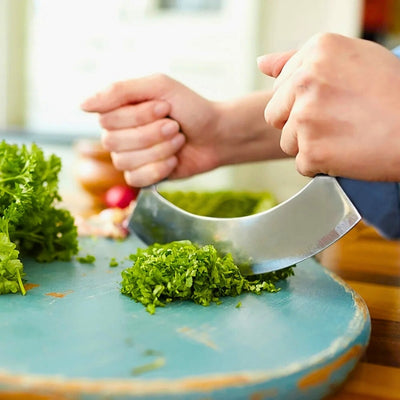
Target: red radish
[[120, 196]]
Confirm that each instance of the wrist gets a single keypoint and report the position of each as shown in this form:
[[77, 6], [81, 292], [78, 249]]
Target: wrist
[[242, 126]]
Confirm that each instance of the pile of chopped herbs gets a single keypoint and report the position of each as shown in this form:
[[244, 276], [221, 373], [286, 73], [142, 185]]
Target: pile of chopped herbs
[[181, 270], [221, 204], [30, 222]]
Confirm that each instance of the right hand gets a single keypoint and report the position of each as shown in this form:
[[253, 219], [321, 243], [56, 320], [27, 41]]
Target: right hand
[[337, 102], [156, 127]]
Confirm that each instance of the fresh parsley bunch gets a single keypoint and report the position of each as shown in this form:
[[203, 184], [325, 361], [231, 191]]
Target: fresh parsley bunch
[[30, 222], [182, 270]]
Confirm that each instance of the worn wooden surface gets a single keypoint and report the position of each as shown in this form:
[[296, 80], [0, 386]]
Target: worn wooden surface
[[371, 266]]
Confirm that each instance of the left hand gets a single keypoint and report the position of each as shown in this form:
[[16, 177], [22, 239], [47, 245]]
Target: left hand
[[337, 102]]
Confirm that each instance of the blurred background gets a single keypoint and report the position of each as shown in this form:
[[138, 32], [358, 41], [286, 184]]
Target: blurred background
[[54, 53]]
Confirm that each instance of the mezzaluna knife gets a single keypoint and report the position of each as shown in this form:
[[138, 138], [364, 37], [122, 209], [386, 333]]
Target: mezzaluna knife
[[296, 229]]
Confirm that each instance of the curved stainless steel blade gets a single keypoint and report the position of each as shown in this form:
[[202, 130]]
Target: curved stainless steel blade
[[294, 230]]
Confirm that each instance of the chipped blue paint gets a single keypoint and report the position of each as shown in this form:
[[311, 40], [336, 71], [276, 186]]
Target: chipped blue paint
[[94, 337]]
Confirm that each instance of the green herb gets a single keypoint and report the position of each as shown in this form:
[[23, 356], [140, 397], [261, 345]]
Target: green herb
[[182, 270], [221, 204], [152, 352], [113, 262], [11, 268], [151, 366], [30, 222], [88, 259]]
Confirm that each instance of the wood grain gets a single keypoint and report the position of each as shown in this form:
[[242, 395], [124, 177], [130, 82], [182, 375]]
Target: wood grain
[[370, 264]]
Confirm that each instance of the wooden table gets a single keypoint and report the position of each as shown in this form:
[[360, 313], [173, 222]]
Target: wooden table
[[371, 266]]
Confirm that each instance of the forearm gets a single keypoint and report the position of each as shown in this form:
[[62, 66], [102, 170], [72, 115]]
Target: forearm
[[245, 135]]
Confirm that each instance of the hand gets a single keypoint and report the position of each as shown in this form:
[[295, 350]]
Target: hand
[[337, 101], [155, 127]]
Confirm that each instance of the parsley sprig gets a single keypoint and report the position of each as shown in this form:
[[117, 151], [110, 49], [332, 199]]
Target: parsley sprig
[[30, 222], [181, 270]]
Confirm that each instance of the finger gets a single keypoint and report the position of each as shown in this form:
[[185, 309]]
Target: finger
[[272, 64], [298, 59], [304, 167], [124, 92], [278, 109], [130, 160], [139, 138], [151, 173], [134, 115], [289, 139], [317, 155]]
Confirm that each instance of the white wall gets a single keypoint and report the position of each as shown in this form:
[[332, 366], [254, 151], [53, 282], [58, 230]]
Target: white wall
[[12, 62], [3, 63], [75, 50]]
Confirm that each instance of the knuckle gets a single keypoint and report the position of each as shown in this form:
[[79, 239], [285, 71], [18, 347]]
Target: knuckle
[[312, 159], [312, 81], [307, 114], [116, 88], [304, 166], [130, 178], [118, 161], [163, 84], [155, 175], [287, 147], [161, 79], [145, 138], [323, 40], [143, 177], [140, 118], [107, 140], [105, 120], [160, 151], [271, 117], [267, 116], [303, 77], [302, 116]]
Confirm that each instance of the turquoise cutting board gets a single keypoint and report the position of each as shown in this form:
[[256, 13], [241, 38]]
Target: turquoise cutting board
[[74, 336]]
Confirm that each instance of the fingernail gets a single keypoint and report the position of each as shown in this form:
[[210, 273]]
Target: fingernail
[[86, 103], [260, 59], [169, 128], [178, 141], [161, 109], [90, 103]]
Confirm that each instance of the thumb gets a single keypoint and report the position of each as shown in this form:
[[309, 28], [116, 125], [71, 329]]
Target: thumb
[[272, 64]]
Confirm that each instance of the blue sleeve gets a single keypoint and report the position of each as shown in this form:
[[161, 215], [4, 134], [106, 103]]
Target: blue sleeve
[[396, 51], [377, 202]]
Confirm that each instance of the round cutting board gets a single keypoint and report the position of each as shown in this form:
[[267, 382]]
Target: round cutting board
[[75, 336]]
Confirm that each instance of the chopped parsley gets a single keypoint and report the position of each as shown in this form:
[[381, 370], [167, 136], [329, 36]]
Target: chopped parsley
[[151, 366], [113, 262], [181, 270], [88, 259]]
